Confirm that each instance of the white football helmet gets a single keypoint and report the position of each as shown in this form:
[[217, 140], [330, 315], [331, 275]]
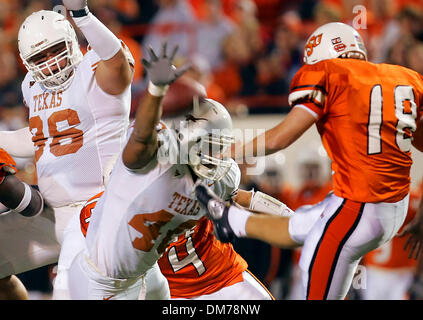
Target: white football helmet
[[334, 40], [43, 30], [204, 136]]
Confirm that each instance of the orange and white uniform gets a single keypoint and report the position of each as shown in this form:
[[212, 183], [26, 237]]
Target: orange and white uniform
[[389, 270], [366, 114], [7, 165], [198, 266]]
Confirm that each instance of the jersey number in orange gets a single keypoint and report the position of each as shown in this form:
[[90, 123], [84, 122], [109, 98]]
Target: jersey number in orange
[[65, 141]]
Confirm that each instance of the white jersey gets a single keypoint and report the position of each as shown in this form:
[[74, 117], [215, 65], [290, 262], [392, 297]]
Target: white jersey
[[142, 211], [75, 132]]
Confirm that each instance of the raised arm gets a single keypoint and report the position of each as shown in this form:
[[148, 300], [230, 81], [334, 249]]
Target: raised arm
[[114, 72], [143, 143], [279, 137]]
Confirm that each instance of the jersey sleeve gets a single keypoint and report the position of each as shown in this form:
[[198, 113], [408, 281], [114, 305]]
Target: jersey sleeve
[[7, 165], [309, 88]]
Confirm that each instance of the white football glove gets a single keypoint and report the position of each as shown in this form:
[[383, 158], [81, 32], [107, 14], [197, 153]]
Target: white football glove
[[75, 5]]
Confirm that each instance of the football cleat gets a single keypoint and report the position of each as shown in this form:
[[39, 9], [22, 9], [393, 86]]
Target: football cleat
[[217, 212]]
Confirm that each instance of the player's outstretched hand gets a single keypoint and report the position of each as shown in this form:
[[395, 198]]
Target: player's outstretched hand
[[160, 68], [75, 5], [217, 212]]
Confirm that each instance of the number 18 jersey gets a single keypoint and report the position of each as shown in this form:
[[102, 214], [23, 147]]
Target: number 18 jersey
[[366, 117], [75, 132]]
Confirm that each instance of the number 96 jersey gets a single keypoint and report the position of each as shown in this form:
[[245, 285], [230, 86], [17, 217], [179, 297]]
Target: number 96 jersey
[[75, 132], [366, 117]]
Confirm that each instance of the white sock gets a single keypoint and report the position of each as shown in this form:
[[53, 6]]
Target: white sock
[[237, 218]]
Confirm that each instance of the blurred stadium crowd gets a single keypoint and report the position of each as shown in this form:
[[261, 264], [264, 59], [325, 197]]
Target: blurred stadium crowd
[[245, 52]]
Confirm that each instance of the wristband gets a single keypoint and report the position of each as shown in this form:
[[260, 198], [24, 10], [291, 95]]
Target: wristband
[[79, 13], [26, 199], [262, 202], [25, 202], [157, 91]]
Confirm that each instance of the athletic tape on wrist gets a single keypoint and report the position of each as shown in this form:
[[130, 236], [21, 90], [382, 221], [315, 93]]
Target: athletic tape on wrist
[[262, 202], [157, 91]]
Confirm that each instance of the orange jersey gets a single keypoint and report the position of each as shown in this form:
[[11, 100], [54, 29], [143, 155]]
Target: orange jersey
[[392, 254], [194, 265], [366, 116], [7, 165], [85, 215], [198, 264]]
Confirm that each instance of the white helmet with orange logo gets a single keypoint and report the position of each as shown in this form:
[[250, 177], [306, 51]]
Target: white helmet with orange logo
[[334, 40], [43, 30]]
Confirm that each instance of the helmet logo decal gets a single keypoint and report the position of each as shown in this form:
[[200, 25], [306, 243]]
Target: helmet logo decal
[[338, 45], [312, 43], [190, 117], [38, 44]]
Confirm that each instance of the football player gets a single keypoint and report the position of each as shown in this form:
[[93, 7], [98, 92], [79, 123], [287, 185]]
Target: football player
[[366, 115], [149, 201], [78, 116], [213, 270]]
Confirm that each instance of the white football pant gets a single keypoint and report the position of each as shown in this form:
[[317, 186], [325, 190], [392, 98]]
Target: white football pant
[[344, 231]]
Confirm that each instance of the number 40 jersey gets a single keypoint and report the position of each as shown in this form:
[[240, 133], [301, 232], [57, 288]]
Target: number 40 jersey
[[75, 132], [367, 114]]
